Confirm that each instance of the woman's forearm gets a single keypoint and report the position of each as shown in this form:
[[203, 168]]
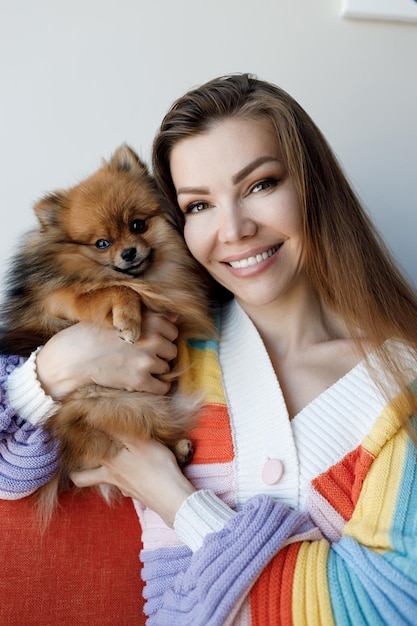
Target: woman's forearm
[[207, 586]]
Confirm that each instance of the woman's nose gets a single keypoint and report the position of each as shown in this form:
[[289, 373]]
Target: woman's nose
[[235, 224]]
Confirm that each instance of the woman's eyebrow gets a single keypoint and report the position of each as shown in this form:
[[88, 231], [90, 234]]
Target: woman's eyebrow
[[193, 190], [237, 178]]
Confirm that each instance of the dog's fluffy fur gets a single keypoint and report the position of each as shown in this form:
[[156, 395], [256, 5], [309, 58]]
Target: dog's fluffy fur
[[104, 249]]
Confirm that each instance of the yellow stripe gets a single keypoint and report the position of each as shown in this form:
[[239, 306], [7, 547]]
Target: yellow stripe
[[201, 374], [372, 519], [311, 596], [387, 425]]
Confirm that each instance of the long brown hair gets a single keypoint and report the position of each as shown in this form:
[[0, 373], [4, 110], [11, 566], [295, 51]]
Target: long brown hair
[[349, 265]]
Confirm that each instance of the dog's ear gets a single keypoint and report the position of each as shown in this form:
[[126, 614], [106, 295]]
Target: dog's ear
[[49, 208], [126, 160]]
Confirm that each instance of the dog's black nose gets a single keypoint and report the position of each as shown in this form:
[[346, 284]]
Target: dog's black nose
[[128, 254]]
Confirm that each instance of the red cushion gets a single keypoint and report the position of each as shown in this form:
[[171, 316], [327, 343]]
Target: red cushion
[[85, 569]]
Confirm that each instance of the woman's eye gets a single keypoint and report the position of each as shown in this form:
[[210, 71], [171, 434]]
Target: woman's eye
[[264, 184], [102, 244], [196, 207]]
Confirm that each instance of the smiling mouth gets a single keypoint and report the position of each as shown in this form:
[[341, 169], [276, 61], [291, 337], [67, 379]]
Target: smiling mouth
[[253, 260]]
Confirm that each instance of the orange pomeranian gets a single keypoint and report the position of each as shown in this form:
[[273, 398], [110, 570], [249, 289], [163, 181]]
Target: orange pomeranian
[[105, 249]]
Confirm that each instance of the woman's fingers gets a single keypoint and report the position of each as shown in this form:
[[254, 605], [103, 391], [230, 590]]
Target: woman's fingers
[[90, 477], [146, 471], [85, 353], [160, 324]]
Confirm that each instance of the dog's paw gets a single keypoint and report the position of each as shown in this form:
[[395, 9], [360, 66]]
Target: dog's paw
[[184, 451], [127, 322], [127, 334]]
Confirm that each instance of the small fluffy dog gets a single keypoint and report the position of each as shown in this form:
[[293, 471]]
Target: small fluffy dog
[[104, 249]]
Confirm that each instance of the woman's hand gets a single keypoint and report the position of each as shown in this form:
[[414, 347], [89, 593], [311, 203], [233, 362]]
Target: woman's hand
[[146, 471], [84, 353]]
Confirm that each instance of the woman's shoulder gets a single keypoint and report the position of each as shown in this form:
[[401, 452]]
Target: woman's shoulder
[[396, 356]]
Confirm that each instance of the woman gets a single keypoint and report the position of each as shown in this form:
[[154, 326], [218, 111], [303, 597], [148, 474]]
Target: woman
[[298, 506]]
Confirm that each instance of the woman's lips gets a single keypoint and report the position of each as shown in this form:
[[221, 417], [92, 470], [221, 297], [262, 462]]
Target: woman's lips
[[255, 259]]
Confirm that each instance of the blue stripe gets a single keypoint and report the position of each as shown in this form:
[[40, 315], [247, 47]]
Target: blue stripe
[[351, 604], [378, 588]]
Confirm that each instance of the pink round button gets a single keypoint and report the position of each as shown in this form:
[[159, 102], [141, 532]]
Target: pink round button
[[272, 471]]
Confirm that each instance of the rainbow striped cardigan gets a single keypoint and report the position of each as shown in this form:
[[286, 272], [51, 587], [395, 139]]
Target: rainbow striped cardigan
[[333, 542]]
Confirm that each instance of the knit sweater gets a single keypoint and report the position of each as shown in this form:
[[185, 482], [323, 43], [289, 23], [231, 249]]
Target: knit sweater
[[330, 538], [27, 458], [331, 541]]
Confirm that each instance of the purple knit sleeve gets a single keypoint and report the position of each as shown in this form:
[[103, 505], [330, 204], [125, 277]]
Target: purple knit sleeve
[[230, 559], [27, 459]]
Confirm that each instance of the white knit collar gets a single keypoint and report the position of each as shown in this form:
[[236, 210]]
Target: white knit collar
[[320, 435]]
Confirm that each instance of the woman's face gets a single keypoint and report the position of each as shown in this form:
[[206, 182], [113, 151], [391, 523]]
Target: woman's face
[[242, 216]]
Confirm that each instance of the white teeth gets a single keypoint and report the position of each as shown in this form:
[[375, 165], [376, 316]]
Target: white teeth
[[253, 260]]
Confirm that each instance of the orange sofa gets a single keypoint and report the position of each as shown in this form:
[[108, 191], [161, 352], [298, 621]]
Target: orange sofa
[[83, 571]]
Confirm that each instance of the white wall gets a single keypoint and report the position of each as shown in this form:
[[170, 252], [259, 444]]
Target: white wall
[[78, 77]]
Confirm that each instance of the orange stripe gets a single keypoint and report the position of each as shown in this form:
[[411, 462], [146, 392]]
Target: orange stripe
[[363, 463], [271, 595], [342, 483], [212, 438], [288, 583]]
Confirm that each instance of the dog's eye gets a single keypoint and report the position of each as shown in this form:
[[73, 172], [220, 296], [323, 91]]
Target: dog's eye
[[138, 226], [102, 244]]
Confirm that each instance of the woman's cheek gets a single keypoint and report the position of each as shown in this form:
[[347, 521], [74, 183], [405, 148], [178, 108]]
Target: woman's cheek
[[195, 239]]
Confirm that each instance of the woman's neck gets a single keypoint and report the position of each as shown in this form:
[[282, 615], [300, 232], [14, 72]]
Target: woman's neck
[[294, 323], [308, 346]]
